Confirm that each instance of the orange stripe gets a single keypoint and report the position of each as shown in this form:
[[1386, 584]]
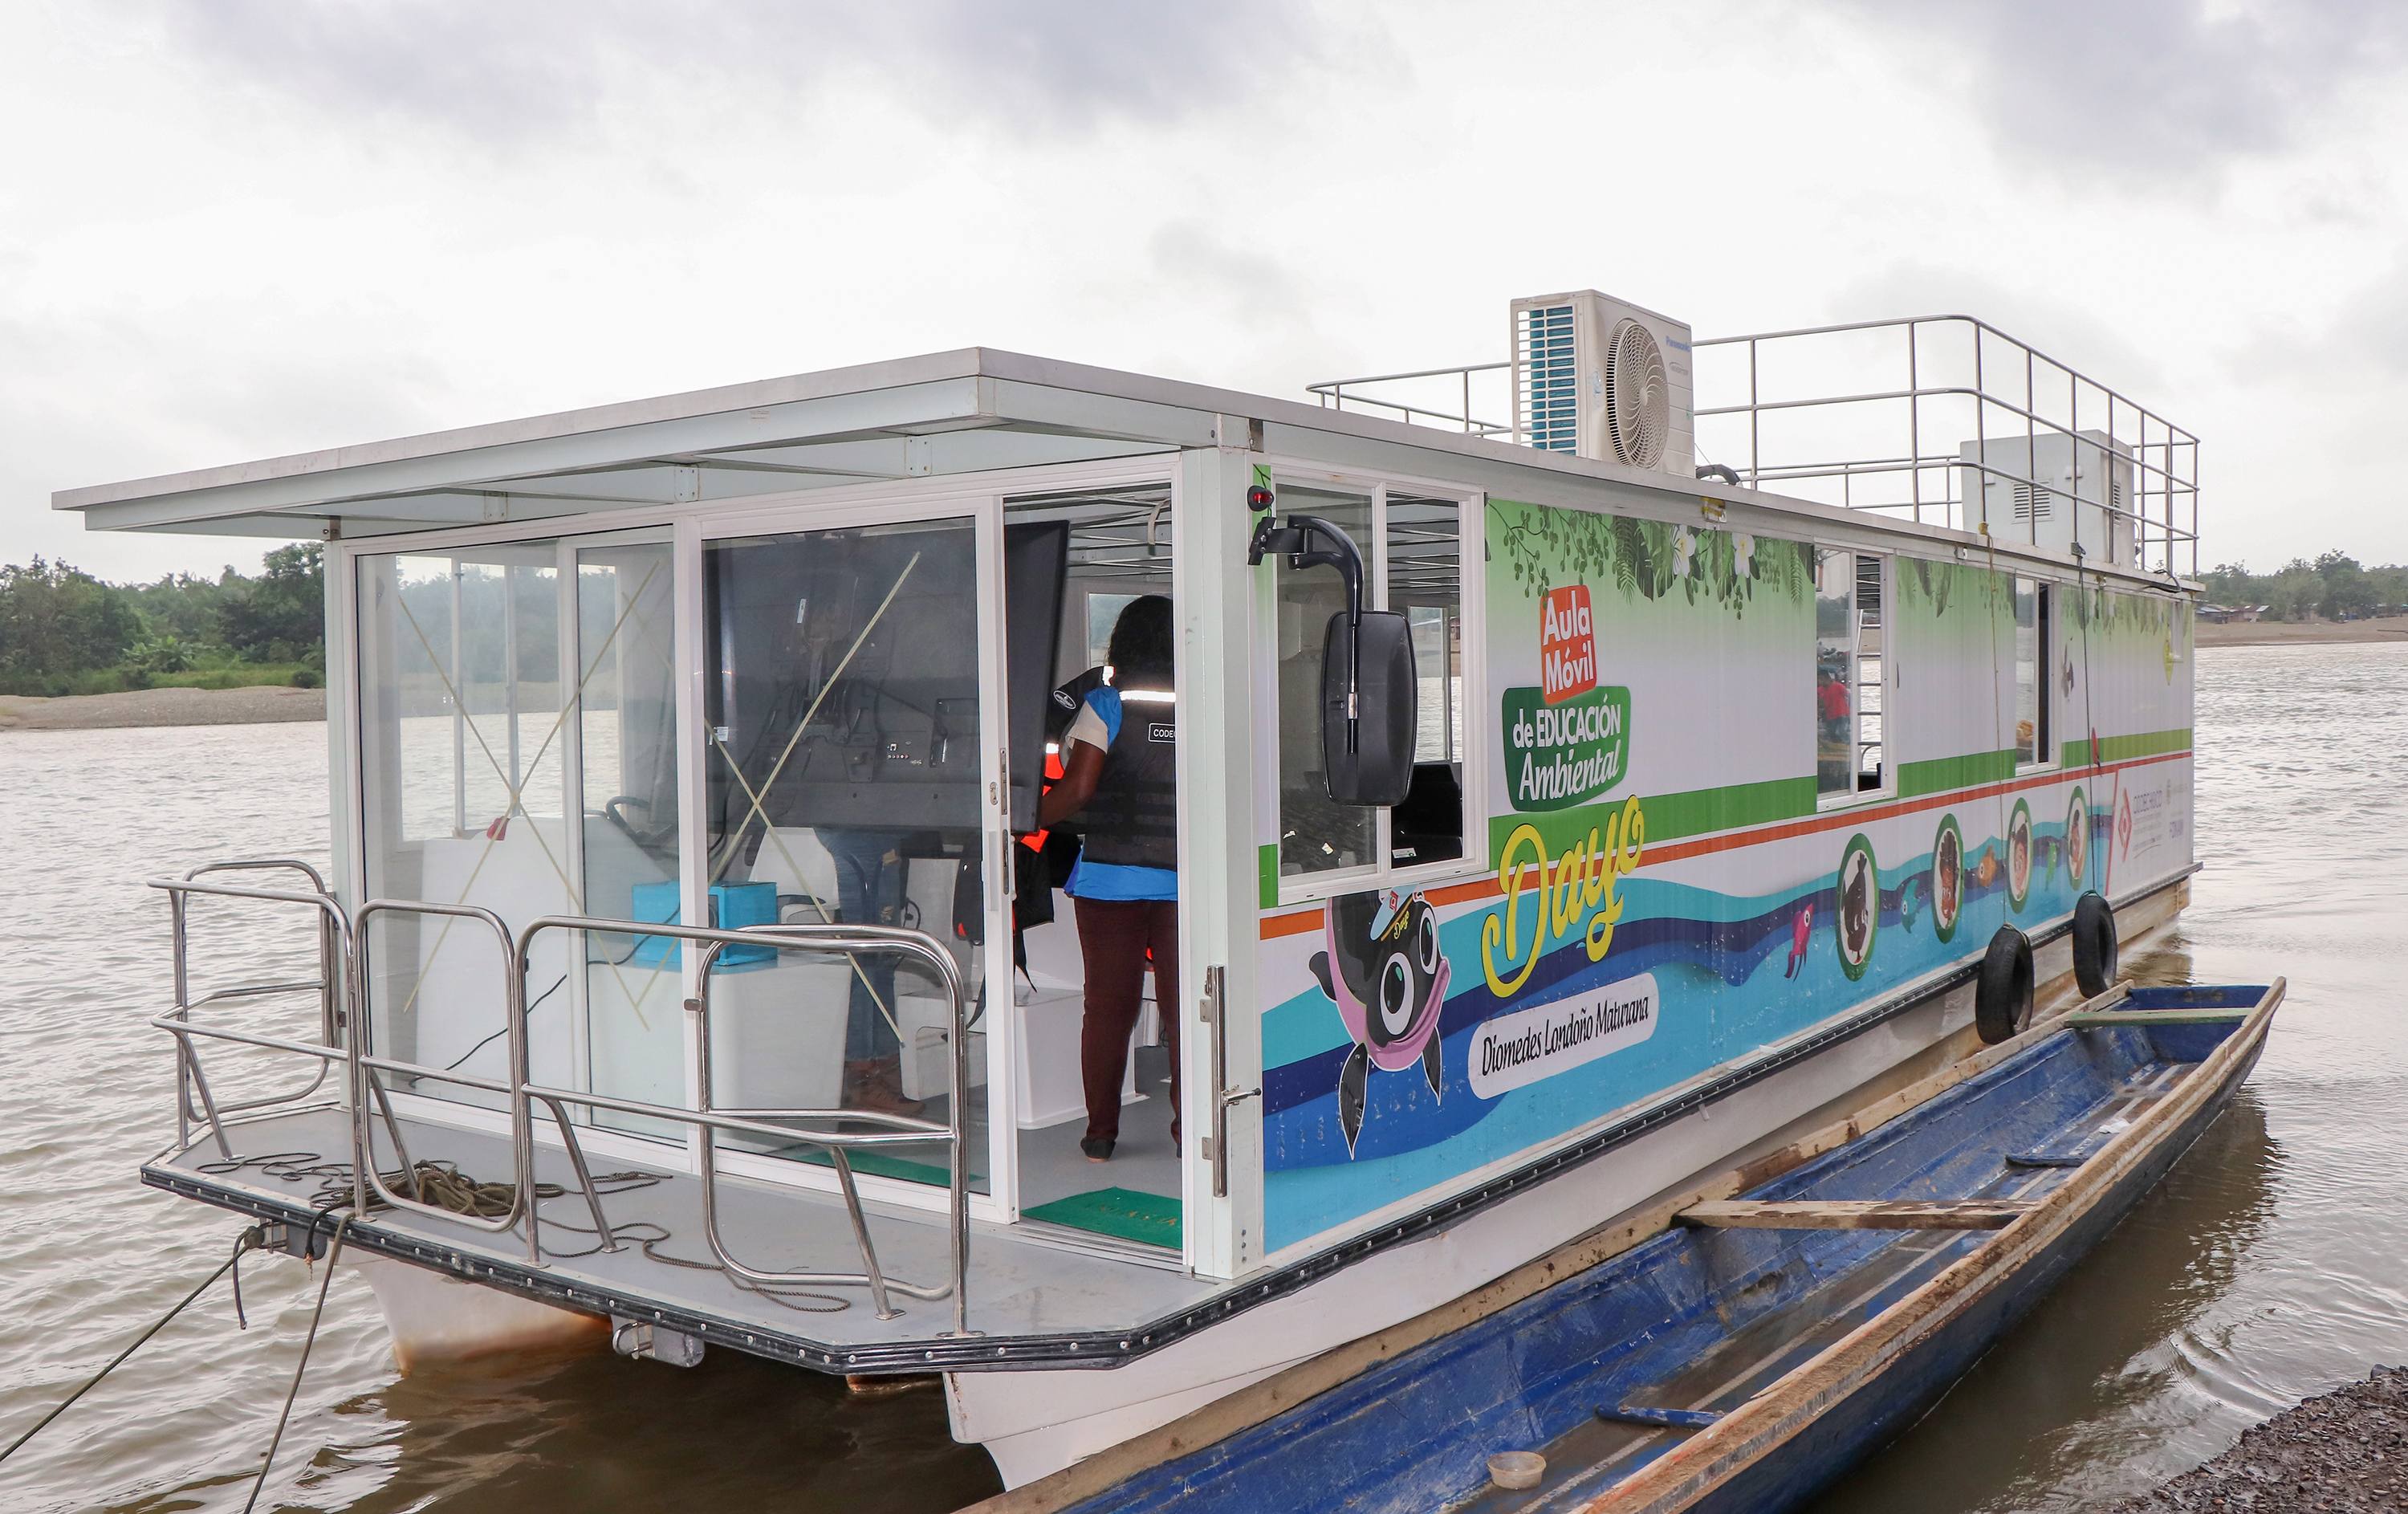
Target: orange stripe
[[1487, 887], [1276, 925], [1843, 819]]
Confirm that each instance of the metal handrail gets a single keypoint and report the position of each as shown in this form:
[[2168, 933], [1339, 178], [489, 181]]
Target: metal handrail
[[2164, 457], [364, 1068], [334, 935], [1332, 394], [902, 1130], [348, 937]]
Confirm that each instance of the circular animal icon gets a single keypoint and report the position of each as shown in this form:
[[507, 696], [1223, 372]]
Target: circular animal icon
[[2019, 855], [2077, 840], [1947, 878], [1859, 918]]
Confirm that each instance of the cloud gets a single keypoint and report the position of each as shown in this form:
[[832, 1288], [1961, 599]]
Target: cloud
[[2152, 91], [507, 74]]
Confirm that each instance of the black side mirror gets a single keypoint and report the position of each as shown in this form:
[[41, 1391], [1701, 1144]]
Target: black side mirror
[[1367, 731], [1367, 684]]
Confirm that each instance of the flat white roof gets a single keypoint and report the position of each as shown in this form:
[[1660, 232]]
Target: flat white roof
[[972, 409]]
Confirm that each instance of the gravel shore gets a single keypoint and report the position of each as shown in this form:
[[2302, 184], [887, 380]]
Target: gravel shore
[[2346, 1451], [259, 704]]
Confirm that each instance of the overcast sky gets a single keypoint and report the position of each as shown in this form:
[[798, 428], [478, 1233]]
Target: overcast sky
[[240, 228]]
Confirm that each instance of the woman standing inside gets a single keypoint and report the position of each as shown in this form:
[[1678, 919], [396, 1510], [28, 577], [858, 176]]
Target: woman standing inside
[[1118, 779]]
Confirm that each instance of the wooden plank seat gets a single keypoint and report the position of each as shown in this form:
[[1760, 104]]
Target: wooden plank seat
[[1857, 1214]]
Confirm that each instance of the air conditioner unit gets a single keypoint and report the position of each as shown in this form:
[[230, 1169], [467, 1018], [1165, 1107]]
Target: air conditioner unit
[[2052, 490], [1602, 378]]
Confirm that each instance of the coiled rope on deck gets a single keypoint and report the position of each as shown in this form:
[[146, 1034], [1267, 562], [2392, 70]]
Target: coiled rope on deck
[[443, 1185]]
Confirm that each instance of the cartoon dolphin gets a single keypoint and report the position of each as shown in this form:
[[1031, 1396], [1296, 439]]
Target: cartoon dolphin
[[1389, 983]]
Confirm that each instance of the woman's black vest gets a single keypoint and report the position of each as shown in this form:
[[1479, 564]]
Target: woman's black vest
[[1133, 819]]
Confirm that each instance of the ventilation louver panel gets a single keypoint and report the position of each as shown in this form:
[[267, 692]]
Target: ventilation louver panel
[[1549, 371]]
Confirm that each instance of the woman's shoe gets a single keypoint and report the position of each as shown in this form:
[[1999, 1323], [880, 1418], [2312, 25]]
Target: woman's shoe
[[1098, 1148]]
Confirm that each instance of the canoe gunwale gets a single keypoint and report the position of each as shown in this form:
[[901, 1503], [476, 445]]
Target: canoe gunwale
[[1698, 1466]]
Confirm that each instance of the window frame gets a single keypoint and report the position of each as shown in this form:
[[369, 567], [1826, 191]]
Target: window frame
[[1887, 788], [2048, 751], [1472, 527]]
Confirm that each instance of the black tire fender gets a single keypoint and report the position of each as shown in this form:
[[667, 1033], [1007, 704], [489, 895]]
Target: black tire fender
[[2002, 995], [2094, 945]]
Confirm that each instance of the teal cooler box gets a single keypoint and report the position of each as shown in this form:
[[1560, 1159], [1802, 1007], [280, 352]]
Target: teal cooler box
[[733, 906]]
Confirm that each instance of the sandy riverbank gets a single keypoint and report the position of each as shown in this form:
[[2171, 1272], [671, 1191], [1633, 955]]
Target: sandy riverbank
[[2288, 632], [2347, 1451], [257, 706]]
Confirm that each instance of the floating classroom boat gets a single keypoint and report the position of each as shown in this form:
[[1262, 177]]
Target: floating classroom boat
[[1780, 1322], [1556, 819]]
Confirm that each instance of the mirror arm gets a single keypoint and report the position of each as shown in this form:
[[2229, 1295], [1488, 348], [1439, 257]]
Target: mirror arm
[[1296, 543]]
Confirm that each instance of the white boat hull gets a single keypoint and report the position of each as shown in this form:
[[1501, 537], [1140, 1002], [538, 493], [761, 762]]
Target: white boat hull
[[432, 1317]]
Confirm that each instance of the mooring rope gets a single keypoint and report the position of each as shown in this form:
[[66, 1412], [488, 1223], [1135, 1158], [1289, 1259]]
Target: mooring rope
[[249, 1240], [333, 1252]]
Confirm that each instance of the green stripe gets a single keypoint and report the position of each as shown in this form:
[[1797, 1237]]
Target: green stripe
[[1942, 774], [1699, 811], [1267, 875], [1695, 812], [2125, 748]]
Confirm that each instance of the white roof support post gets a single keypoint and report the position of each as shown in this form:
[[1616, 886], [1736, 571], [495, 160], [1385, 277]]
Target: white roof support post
[[1217, 884]]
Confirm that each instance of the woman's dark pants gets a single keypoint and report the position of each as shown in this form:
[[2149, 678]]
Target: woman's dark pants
[[1114, 935]]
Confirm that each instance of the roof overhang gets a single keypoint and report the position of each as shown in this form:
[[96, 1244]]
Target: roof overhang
[[975, 410]]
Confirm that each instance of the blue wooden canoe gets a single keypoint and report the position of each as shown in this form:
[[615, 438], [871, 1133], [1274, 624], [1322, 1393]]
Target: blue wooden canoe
[[1744, 1357]]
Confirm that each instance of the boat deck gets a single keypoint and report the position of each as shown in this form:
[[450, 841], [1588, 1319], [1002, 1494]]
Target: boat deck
[[1039, 1294]]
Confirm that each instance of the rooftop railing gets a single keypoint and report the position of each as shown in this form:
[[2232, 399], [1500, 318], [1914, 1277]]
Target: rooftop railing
[[1909, 416], [1929, 405]]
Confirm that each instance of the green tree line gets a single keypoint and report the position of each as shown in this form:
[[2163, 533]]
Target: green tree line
[[2335, 587], [64, 631]]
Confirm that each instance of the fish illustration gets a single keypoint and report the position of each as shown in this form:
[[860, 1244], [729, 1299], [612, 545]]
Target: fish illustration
[[1986, 871], [1909, 895], [1801, 929]]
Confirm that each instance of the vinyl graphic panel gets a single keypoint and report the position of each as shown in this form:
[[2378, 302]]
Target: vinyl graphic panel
[[1665, 895]]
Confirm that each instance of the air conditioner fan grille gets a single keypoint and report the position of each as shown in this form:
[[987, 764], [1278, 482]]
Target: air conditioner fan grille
[[1638, 405]]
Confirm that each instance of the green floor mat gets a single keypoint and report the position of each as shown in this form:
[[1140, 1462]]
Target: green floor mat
[[1119, 1212], [879, 1165]]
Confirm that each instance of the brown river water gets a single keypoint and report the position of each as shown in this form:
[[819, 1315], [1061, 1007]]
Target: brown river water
[[2271, 1265]]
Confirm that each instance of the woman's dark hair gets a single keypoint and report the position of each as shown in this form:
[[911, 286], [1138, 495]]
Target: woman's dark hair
[[1140, 647]]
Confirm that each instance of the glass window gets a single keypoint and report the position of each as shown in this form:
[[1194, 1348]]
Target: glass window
[[628, 1001], [1424, 560], [1103, 613], [1315, 835], [2032, 742], [464, 743], [1851, 592], [844, 785]]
